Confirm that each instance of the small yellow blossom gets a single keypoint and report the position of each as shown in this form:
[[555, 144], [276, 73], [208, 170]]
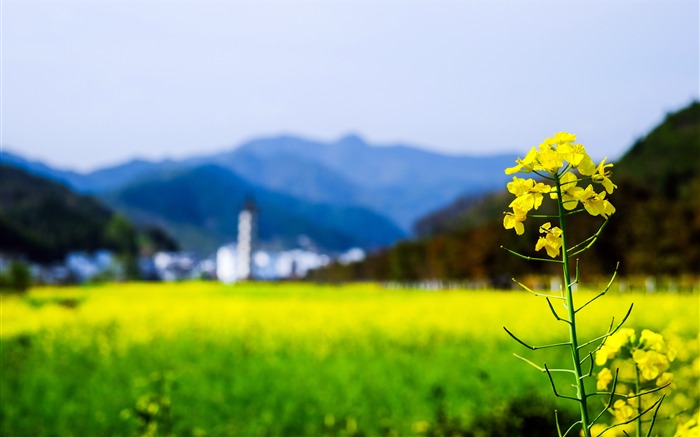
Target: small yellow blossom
[[529, 194], [570, 193], [552, 241], [549, 159], [652, 340], [575, 154], [596, 204], [514, 220], [602, 176], [597, 429], [614, 344], [650, 363], [524, 165], [623, 411], [520, 186], [604, 378], [690, 428], [665, 378]]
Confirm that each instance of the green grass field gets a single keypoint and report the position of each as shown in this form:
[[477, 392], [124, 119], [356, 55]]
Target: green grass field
[[196, 359]]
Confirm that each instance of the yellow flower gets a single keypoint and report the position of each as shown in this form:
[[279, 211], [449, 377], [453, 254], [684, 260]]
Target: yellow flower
[[654, 341], [549, 159], [570, 193], [529, 194], [574, 154], [689, 428], [595, 203], [614, 344], [623, 411], [551, 242], [601, 176], [551, 155], [650, 363], [586, 167], [605, 377], [564, 138], [524, 165], [520, 186], [514, 220], [664, 379], [597, 429]]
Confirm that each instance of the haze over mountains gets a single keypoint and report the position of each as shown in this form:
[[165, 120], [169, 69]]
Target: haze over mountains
[[333, 195]]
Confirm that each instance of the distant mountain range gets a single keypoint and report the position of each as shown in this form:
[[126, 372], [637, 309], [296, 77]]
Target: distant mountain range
[[334, 195]]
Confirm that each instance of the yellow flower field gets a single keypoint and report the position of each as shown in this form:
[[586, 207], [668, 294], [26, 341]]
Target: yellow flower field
[[293, 358]]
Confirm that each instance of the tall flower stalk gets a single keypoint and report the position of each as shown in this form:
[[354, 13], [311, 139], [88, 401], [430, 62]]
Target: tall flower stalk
[[561, 165]]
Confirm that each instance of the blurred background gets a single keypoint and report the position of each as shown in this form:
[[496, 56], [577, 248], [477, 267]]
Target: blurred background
[[369, 138]]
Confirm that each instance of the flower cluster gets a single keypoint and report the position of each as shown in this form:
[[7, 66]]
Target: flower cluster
[[554, 162], [690, 428], [651, 357], [650, 353]]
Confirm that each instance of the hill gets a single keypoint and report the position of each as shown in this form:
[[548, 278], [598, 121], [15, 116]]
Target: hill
[[43, 220], [199, 206], [655, 231]]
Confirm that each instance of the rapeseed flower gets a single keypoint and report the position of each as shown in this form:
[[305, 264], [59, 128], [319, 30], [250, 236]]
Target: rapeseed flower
[[650, 363], [595, 203], [604, 378], [529, 194], [559, 156], [623, 411], [571, 194], [602, 176], [665, 378], [614, 344], [524, 165], [690, 428], [552, 240], [514, 220]]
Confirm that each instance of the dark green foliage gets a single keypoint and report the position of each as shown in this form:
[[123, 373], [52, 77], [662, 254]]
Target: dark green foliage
[[17, 278], [153, 239], [666, 160], [526, 416], [123, 239], [45, 220]]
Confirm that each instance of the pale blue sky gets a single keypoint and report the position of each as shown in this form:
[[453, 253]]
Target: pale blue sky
[[92, 83]]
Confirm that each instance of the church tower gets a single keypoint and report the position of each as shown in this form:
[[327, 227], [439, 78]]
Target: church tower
[[247, 230]]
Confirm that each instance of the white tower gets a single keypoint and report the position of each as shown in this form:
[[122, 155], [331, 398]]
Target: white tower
[[246, 239]]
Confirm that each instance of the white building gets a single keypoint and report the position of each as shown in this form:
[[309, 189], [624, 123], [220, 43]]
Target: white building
[[246, 240], [226, 266]]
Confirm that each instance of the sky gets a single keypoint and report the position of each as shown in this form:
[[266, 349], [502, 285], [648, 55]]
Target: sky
[[87, 84]]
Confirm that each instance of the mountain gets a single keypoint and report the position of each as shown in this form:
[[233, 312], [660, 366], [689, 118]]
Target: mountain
[[666, 160], [43, 220], [98, 181], [199, 206], [400, 182], [68, 178], [655, 230]]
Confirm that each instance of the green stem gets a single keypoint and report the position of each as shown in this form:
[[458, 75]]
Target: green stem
[[580, 386], [637, 390]]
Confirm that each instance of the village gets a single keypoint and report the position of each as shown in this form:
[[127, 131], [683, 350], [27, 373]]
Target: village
[[242, 259]]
